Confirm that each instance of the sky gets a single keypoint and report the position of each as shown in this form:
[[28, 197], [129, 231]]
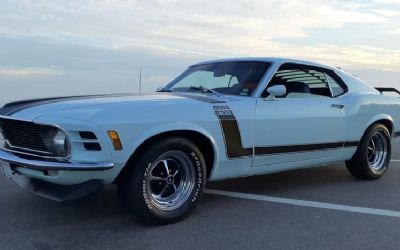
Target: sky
[[60, 47]]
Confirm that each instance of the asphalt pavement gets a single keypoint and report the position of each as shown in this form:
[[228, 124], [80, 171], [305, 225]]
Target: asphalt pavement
[[317, 208]]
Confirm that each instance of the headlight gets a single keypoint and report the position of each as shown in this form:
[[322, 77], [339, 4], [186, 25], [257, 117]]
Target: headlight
[[56, 141], [60, 142]]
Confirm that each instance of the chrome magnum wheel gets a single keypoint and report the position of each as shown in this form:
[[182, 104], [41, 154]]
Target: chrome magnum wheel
[[377, 151], [372, 157], [170, 180], [165, 183]]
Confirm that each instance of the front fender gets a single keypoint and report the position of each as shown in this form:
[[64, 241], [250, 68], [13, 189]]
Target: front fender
[[130, 147], [171, 127]]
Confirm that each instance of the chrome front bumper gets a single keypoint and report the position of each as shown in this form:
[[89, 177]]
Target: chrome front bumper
[[53, 165]]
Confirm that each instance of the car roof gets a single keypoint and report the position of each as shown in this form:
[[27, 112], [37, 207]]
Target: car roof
[[278, 60]]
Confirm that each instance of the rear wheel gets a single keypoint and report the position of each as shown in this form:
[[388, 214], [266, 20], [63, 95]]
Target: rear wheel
[[166, 181], [372, 157]]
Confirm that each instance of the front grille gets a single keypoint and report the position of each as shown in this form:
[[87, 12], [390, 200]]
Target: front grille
[[22, 134]]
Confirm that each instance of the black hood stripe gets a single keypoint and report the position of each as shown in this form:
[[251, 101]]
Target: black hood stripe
[[197, 97], [14, 107]]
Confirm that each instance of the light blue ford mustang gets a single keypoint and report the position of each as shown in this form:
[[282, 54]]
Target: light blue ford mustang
[[219, 119]]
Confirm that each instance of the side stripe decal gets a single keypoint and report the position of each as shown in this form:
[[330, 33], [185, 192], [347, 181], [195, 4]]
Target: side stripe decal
[[351, 144], [231, 133], [235, 149], [296, 148]]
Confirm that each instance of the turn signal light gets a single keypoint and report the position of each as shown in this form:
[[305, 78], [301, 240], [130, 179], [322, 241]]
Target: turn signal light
[[115, 139]]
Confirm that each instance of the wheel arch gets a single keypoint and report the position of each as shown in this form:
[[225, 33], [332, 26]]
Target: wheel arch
[[203, 140], [384, 119]]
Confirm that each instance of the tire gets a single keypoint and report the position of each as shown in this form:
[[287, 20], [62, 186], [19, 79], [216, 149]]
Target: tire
[[372, 157], [156, 197]]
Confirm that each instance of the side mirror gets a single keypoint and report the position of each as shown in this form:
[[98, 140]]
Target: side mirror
[[159, 89], [276, 90]]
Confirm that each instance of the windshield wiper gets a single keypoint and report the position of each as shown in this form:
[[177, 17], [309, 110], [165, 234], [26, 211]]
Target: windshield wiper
[[204, 89], [164, 90]]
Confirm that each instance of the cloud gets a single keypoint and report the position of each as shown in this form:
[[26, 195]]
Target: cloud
[[102, 43], [222, 28], [395, 31], [33, 72], [158, 22], [380, 2], [386, 12], [351, 56], [130, 20]]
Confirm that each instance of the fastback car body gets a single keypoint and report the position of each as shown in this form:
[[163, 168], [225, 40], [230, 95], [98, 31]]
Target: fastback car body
[[251, 116]]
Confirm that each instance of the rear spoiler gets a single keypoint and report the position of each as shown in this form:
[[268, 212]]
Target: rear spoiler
[[388, 90]]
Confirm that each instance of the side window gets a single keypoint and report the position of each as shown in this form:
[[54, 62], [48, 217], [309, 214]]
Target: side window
[[336, 89], [306, 82]]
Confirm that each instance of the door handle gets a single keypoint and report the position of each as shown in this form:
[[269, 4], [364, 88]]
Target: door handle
[[338, 106]]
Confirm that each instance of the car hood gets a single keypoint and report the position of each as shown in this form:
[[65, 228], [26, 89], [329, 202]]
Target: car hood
[[33, 109]]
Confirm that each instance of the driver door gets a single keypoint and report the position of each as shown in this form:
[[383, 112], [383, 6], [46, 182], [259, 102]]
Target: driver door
[[307, 123]]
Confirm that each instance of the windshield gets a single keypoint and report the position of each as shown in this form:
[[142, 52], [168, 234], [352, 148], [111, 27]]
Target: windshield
[[232, 78]]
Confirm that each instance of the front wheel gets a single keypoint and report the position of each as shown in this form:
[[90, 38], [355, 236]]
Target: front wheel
[[372, 157], [165, 183]]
